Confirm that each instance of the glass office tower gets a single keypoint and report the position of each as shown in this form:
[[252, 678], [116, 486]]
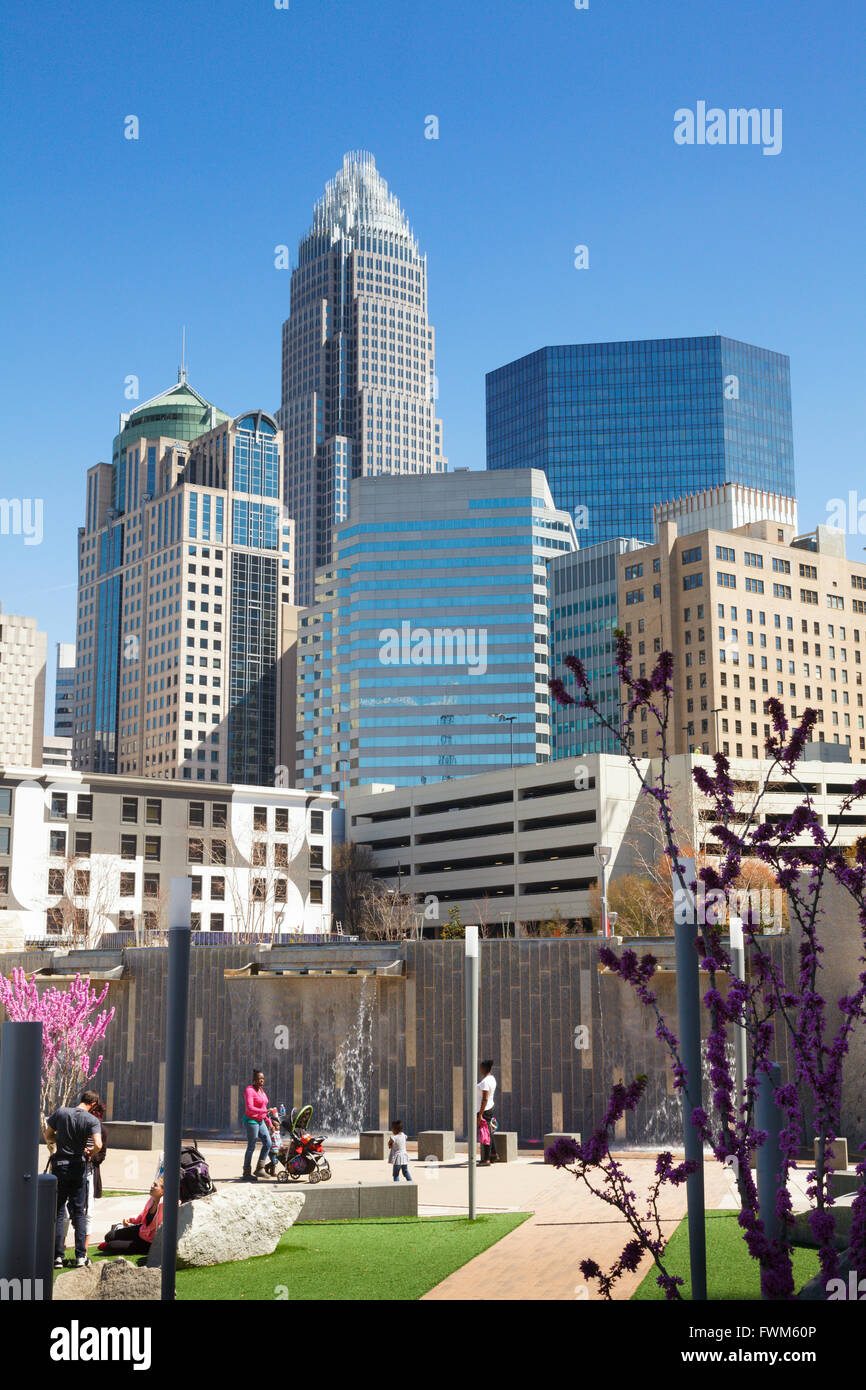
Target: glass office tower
[[618, 427], [426, 656], [358, 364]]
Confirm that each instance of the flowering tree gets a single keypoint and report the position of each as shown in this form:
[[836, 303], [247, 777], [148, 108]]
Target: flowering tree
[[69, 1031], [768, 1007]]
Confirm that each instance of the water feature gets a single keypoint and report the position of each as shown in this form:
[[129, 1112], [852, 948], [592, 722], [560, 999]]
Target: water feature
[[342, 1104]]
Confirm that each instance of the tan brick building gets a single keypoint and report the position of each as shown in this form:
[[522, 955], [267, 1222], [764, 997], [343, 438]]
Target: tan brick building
[[750, 611], [22, 688]]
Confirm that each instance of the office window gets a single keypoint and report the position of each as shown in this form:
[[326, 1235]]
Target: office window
[[218, 888], [281, 819], [82, 845], [128, 846], [196, 813], [153, 811], [315, 890], [129, 810], [151, 885], [58, 805], [260, 818], [127, 885], [317, 857], [84, 808], [152, 845], [56, 881], [218, 815], [218, 851], [195, 851]]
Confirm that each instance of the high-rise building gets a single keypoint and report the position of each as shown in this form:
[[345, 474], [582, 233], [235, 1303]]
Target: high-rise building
[[185, 579], [64, 690], [584, 612], [618, 427], [22, 690], [358, 367], [750, 612], [426, 657]]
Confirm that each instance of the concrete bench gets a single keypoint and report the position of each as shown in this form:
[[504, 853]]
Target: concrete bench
[[550, 1140], [134, 1134], [373, 1143], [505, 1141], [330, 1201], [835, 1155], [436, 1143]]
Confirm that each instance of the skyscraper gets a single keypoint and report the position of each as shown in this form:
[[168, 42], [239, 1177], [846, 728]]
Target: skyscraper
[[426, 657], [358, 366], [618, 427], [64, 690], [185, 579], [22, 690]]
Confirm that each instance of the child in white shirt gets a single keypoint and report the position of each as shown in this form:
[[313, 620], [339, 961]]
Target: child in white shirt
[[399, 1157]]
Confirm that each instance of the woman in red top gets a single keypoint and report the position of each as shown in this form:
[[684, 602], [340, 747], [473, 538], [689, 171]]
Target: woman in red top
[[136, 1235], [255, 1123]]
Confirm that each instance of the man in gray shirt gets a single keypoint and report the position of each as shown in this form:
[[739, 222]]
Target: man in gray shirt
[[71, 1131]]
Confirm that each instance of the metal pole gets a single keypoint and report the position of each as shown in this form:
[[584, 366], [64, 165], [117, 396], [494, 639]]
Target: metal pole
[[604, 926], [180, 907], [689, 1027], [471, 989], [768, 1158], [20, 1127], [46, 1221], [738, 966]]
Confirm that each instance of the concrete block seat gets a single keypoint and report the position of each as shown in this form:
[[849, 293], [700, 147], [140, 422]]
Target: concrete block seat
[[505, 1141], [835, 1155], [373, 1143], [134, 1134], [335, 1201], [436, 1143], [550, 1140]]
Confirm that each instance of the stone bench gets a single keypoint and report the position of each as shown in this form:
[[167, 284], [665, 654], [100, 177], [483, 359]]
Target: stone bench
[[436, 1143], [550, 1140], [134, 1134], [330, 1201], [843, 1213], [505, 1141], [373, 1143]]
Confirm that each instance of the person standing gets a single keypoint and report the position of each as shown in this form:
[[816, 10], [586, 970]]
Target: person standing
[[485, 1091], [69, 1130], [255, 1121], [95, 1161], [399, 1153]]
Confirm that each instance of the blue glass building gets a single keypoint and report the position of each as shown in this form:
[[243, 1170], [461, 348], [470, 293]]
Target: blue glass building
[[618, 427]]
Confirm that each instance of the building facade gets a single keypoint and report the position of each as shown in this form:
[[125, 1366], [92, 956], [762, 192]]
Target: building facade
[[618, 427], [186, 597], [749, 613], [426, 657], [358, 363], [23, 650], [82, 856], [64, 690], [584, 612]]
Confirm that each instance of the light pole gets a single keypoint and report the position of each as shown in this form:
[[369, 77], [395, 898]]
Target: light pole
[[470, 977], [177, 1004], [603, 855], [683, 875], [509, 720]]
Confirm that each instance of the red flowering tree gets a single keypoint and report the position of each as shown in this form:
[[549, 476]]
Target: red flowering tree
[[71, 1029]]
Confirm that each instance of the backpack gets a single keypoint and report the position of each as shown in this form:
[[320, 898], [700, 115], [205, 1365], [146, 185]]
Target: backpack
[[195, 1178]]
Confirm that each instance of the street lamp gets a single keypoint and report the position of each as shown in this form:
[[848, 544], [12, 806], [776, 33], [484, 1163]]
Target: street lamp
[[603, 855], [509, 720], [470, 976]]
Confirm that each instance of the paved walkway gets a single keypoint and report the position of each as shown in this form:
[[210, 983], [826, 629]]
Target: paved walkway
[[538, 1261]]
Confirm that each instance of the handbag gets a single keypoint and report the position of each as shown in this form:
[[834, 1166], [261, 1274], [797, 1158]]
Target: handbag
[[483, 1132]]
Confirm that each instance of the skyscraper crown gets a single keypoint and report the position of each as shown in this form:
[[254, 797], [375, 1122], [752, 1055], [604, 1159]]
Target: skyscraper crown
[[356, 199]]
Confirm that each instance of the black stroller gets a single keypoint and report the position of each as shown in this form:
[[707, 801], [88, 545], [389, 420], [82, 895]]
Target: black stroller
[[301, 1153]]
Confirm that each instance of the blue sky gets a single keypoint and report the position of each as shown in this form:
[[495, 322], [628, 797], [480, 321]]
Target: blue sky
[[555, 129]]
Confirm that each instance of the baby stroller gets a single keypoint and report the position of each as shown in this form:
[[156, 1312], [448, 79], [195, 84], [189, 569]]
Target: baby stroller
[[300, 1152]]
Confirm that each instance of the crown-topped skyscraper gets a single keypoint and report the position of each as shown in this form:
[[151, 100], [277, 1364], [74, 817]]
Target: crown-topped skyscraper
[[359, 380]]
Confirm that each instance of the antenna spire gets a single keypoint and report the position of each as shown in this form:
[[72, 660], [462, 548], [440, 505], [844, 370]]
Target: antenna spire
[[181, 373]]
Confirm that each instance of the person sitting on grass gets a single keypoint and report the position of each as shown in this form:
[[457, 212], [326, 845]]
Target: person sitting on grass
[[135, 1234]]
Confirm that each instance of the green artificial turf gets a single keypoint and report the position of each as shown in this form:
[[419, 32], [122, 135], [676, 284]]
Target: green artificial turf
[[392, 1258], [731, 1271]]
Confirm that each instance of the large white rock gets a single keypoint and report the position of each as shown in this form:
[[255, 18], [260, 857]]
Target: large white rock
[[235, 1223]]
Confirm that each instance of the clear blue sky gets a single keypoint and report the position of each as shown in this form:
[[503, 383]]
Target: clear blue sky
[[556, 128]]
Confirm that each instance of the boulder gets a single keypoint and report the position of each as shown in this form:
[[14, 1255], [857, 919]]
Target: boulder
[[847, 1285], [108, 1281], [235, 1223]]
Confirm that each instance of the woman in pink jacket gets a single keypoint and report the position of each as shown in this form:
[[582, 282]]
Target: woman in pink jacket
[[135, 1235], [255, 1122]]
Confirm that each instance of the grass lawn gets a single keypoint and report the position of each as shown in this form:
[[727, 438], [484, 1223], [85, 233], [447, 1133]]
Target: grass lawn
[[731, 1272], [393, 1258]]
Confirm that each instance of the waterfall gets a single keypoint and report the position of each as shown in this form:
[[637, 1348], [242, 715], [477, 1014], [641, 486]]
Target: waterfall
[[342, 1105]]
